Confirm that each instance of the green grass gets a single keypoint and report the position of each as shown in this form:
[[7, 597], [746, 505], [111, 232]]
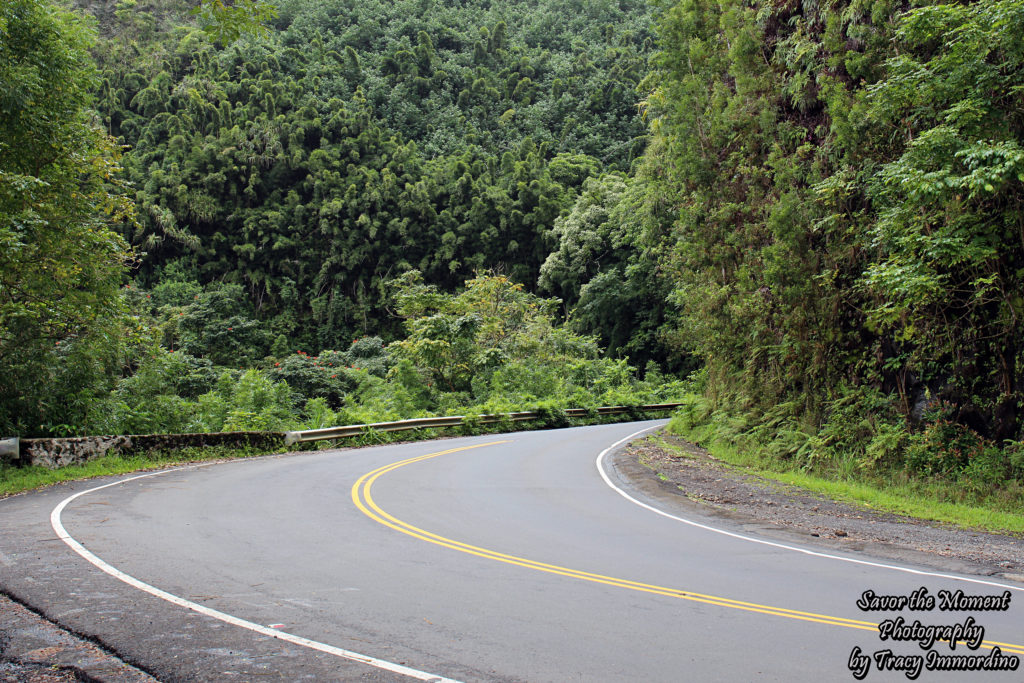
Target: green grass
[[17, 479], [936, 500], [908, 500]]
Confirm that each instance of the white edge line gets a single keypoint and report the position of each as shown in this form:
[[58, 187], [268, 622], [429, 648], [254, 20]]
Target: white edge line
[[600, 468], [62, 533]]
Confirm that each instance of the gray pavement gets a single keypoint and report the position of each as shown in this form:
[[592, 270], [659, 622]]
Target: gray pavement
[[33, 650], [504, 562]]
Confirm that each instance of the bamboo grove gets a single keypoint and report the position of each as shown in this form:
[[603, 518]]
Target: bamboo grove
[[811, 212]]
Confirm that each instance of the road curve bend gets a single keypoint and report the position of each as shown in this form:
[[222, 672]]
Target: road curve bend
[[493, 558]]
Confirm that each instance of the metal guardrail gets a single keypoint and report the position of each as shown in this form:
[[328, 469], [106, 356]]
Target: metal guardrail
[[291, 438]]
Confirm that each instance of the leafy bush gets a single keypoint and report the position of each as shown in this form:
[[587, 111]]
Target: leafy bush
[[323, 376], [219, 325], [864, 424], [552, 415], [1014, 452], [943, 446], [368, 353], [156, 398], [527, 381], [985, 471], [257, 402], [317, 414]]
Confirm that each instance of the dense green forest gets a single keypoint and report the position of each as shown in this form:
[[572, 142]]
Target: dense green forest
[[847, 245], [360, 140], [281, 187], [807, 214]]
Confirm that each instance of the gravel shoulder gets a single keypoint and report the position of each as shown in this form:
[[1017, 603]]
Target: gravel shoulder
[[690, 477]]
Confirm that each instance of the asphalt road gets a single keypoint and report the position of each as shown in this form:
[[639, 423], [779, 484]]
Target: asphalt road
[[494, 558]]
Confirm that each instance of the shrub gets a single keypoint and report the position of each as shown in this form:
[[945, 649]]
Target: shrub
[[318, 415], [943, 446], [259, 403], [325, 376]]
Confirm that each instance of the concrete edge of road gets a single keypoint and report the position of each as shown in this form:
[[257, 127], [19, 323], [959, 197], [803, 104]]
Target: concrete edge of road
[[37, 649]]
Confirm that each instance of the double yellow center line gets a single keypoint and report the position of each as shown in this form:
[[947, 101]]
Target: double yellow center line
[[363, 500]]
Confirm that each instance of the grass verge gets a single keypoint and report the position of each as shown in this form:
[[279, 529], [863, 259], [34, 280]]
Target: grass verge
[[17, 479], [896, 491]]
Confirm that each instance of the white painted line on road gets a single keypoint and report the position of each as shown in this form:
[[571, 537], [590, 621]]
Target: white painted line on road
[[62, 533], [783, 546]]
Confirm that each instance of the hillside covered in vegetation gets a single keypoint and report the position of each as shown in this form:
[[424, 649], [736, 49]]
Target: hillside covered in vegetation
[[809, 214], [847, 237], [281, 189]]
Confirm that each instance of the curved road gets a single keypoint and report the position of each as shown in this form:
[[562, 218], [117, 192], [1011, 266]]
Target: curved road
[[517, 557]]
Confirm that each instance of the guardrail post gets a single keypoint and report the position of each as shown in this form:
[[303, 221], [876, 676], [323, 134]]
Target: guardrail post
[[10, 449]]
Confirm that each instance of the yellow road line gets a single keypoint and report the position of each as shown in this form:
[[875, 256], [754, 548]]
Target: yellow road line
[[363, 500]]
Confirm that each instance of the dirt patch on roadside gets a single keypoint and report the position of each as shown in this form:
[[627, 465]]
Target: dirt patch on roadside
[[710, 487]]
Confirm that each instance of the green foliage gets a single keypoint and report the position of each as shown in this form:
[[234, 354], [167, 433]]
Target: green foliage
[[862, 424], [60, 261], [332, 374], [551, 415], [318, 414], [156, 398], [950, 228], [256, 402], [943, 446], [872, 449], [315, 376], [217, 326], [586, 238], [605, 267], [362, 140], [458, 338], [847, 246], [739, 165], [226, 23]]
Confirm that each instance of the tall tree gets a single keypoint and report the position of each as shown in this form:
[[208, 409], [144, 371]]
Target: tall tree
[[61, 263], [949, 278]]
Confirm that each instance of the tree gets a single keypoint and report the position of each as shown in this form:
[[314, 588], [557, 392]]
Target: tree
[[61, 263], [949, 279], [226, 22], [455, 338], [587, 239]]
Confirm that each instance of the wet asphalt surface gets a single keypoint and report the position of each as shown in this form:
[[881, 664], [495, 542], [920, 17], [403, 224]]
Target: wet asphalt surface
[[280, 541]]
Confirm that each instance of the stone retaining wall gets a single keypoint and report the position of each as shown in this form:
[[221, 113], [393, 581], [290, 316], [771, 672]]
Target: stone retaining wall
[[55, 453]]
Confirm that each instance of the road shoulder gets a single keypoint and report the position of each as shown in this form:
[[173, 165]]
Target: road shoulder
[[34, 650], [689, 479]]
